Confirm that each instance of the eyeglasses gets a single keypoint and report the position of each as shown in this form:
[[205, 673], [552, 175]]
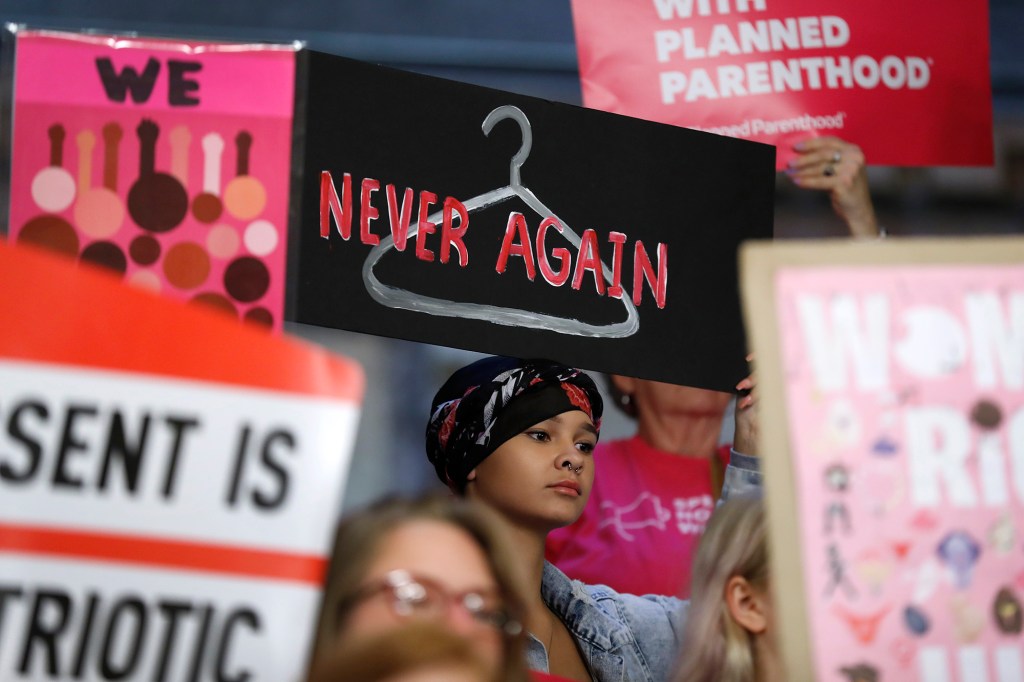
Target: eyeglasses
[[412, 596]]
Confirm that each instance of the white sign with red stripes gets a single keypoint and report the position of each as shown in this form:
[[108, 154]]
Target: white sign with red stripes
[[168, 457], [160, 528], [113, 621]]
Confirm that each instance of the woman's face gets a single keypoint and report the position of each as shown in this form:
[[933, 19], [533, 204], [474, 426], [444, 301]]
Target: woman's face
[[532, 478], [443, 556]]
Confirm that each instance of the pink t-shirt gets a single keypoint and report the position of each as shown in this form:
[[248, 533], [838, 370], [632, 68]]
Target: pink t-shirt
[[639, 531]]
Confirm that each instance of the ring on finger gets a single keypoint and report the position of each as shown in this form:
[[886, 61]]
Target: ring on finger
[[829, 171], [836, 156]]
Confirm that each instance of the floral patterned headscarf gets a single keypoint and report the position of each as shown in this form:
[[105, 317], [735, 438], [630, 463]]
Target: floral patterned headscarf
[[470, 415]]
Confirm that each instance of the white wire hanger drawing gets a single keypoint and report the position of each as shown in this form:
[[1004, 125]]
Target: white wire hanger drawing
[[404, 299]]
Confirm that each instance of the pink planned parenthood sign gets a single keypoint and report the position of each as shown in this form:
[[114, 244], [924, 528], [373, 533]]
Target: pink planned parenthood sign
[[893, 414], [907, 81]]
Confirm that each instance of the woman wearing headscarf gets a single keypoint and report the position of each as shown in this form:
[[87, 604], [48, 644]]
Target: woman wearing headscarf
[[518, 436]]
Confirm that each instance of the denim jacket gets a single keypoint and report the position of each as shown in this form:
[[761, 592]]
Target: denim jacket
[[625, 637]]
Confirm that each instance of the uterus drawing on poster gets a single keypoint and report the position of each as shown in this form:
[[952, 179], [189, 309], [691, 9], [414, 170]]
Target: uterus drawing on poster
[[166, 162], [905, 401]]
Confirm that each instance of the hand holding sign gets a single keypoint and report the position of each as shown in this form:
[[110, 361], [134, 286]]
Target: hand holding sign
[[838, 167], [745, 435]]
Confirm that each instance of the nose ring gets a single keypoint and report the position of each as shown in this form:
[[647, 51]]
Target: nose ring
[[568, 465]]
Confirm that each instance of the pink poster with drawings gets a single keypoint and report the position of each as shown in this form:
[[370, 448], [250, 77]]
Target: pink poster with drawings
[[162, 160], [901, 396]]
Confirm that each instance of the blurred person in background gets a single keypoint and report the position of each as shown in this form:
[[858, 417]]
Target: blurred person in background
[[639, 532], [518, 436], [432, 558], [729, 635]]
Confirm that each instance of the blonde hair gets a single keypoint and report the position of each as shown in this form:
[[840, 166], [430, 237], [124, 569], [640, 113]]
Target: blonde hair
[[717, 648], [360, 534], [412, 647]]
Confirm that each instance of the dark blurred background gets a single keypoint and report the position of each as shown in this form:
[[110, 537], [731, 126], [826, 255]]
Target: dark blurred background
[[528, 47]]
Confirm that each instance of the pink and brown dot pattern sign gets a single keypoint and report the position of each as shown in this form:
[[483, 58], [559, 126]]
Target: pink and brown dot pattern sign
[[167, 162]]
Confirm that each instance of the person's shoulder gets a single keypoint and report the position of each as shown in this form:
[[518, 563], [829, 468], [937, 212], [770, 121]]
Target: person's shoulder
[[653, 621], [647, 603], [558, 590]]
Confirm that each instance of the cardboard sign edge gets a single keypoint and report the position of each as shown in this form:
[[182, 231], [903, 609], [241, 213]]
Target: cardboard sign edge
[[760, 261]]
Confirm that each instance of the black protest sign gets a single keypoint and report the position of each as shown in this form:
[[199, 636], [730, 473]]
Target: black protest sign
[[468, 217]]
